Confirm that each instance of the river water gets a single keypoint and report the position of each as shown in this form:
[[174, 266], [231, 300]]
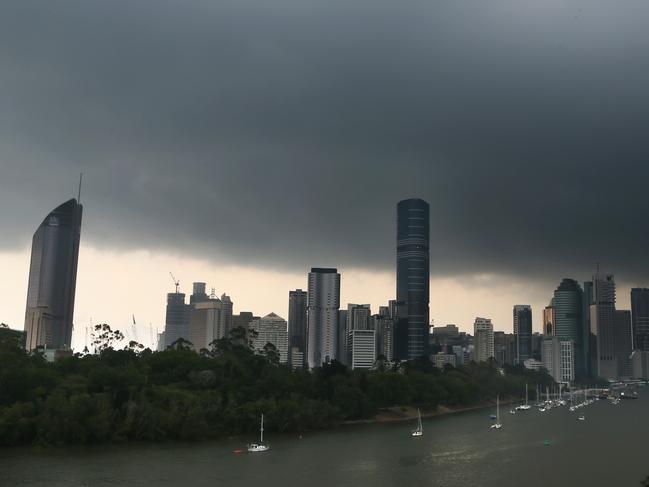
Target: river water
[[610, 448]]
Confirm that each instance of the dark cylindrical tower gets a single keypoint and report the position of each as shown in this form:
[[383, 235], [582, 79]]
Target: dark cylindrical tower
[[413, 278]]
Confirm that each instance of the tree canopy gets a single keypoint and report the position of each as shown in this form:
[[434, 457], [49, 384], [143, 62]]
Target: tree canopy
[[138, 394]]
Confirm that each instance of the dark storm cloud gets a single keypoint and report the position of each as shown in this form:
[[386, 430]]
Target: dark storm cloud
[[282, 133]]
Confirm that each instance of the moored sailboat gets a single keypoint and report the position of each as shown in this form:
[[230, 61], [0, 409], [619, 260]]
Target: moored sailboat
[[497, 425], [259, 447], [420, 430]]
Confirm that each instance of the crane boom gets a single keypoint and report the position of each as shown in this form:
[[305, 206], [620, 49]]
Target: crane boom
[[176, 281]]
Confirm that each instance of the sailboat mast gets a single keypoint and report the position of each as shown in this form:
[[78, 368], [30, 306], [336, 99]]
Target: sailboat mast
[[497, 409], [262, 429]]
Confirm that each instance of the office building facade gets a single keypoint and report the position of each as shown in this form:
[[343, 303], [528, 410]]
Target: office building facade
[[523, 332], [177, 319], [568, 324], [384, 326], [640, 318], [559, 358], [361, 345], [297, 326]]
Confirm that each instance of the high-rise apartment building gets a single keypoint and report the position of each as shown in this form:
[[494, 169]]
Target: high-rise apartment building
[[297, 304], [52, 278], [523, 332], [483, 339], [322, 316], [274, 330], [413, 278], [640, 318]]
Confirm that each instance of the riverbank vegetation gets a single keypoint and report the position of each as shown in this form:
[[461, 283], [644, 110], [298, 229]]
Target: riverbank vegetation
[[178, 394]]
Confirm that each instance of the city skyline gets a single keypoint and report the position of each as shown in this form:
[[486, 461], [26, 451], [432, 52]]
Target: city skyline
[[291, 154], [249, 303], [324, 242]]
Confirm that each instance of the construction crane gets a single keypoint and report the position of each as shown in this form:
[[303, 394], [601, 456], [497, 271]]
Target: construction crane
[[134, 329], [176, 281]]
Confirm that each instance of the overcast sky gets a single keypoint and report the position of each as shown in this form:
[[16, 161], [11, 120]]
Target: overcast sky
[[259, 138]]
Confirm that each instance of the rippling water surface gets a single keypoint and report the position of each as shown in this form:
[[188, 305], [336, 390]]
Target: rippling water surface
[[610, 448]]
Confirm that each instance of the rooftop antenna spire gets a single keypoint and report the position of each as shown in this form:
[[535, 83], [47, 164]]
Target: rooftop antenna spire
[[79, 194]]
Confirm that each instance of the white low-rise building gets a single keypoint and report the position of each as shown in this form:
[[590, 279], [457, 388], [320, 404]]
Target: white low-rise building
[[440, 360]]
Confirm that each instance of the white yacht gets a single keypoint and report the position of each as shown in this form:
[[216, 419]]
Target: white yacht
[[259, 447], [420, 429], [526, 406], [497, 425]]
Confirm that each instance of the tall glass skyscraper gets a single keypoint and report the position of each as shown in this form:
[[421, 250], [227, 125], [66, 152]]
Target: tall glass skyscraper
[[53, 278], [568, 319], [297, 301], [602, 327], [523, 332], [640, 318], [413, 278]]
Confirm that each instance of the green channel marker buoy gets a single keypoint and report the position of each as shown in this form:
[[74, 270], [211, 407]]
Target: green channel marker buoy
[[547, 442]]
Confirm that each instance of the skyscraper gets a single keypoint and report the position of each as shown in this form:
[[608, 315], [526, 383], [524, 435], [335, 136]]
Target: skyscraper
[[568, 318], [361, 338], [52, 278], [383, 326], [549, 319], [640, 318], [586, 360], [271, 329], [558, 358], [413, 278], [523, 332], [623, 343], [358, 317], [342, 336], [322, 316], [602, 327], [297, 302], [483, 339], [198, 293], [176, 318]]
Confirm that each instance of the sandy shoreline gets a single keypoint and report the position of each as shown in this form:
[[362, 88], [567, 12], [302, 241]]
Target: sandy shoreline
[[409, 413]]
